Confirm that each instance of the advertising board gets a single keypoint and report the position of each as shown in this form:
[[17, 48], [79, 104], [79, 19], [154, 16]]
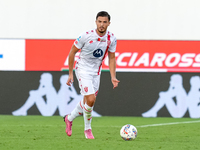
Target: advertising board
[[131, 56], [12, 54], [149, 94]]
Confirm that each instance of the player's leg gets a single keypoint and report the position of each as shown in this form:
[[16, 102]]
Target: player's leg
[[78, 110], [87, 89], [89, 101], [79, 107], [87, 114]]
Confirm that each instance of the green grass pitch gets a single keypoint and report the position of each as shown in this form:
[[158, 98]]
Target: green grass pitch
[[48, 133]]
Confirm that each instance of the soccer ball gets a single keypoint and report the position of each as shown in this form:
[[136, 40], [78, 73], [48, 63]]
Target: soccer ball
[[128, 132]]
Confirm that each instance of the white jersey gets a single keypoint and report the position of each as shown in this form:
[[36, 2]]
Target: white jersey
[[93, 50]]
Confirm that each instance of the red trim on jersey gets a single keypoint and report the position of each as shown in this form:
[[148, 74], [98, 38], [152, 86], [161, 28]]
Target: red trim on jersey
[[108, 42], [98, 34], [96, 93], [107, 46], [99, 69]]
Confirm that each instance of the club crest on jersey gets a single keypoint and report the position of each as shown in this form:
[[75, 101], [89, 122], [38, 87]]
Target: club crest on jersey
[[86, 89], [98, 53]]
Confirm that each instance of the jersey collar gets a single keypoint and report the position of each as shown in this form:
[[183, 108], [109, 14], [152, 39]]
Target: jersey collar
[[99, 35]]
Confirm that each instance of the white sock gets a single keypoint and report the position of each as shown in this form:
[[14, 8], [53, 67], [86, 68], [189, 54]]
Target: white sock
[[78, 110], [87, 114]]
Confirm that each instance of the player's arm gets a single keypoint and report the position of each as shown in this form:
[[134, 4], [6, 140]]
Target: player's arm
[[72, 53], [112, 67]]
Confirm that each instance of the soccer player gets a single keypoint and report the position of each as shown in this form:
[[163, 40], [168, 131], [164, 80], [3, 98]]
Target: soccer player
[[94, 45]]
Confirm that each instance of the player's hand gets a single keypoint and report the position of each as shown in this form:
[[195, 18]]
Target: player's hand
[[70, 80], [115, 82]]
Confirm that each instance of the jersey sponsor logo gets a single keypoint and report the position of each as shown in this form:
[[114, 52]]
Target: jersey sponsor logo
[[78, 39], [101, 40], [98, 53]]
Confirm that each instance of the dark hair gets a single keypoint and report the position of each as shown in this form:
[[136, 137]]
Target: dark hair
[[103, 14]]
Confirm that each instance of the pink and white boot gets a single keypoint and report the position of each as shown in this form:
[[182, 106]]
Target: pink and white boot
[[88, 134], [68, 129]]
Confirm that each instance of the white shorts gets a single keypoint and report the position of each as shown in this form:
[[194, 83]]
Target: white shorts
[[88, 84]]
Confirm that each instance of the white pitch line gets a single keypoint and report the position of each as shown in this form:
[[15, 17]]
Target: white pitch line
[[164, 124], [151, 125], [154, 125]]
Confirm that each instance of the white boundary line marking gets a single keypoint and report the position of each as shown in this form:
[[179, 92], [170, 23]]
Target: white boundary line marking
[[155, 125], [170, 123]]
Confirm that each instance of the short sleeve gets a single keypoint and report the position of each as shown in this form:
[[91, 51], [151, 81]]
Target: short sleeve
[[79, 42], [113, 45]]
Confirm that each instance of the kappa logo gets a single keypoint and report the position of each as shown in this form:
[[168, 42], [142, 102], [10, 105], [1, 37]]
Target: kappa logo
[[98, 53], [86, 89]]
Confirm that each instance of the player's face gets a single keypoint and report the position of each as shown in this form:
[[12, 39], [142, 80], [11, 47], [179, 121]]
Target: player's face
[[102, 24]]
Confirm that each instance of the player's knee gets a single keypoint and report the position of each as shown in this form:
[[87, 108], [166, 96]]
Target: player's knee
[[90, 100]]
